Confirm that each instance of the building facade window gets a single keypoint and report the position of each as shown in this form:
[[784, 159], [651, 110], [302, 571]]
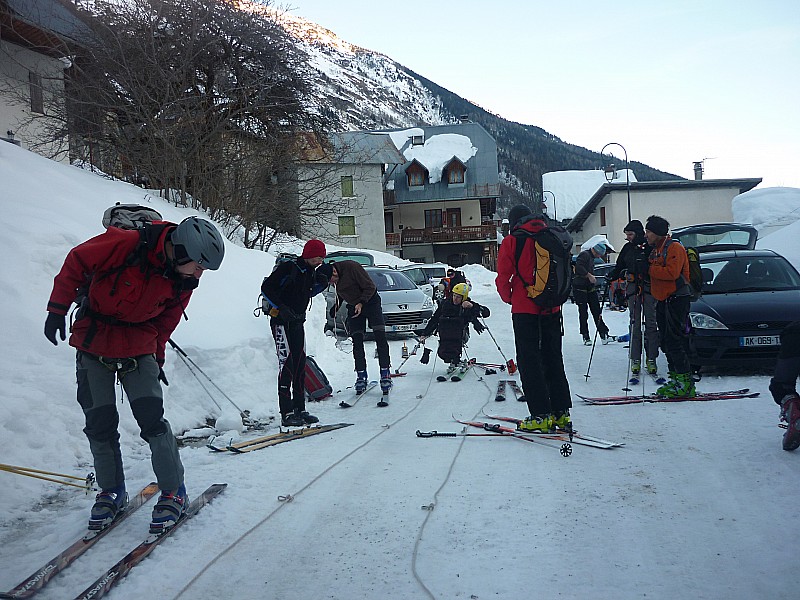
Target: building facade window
[[347, 225], [453, 217], [433, 218], [416, 176], [347, 186], [602, 216], [455, 174], [37, 94]]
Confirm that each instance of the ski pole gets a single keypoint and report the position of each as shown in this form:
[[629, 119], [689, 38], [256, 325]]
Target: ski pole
[[244, 414], [409, 355], [512, 368], [88, 481], [589, 366]]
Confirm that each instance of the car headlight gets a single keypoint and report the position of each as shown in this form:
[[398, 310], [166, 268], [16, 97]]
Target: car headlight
[[428, 303], [701, 321]]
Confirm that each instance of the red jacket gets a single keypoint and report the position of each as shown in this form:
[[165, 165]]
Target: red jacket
[[147, 303], [511, 289]]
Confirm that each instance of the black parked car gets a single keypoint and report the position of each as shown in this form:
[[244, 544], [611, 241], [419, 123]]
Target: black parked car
[[749, 297]]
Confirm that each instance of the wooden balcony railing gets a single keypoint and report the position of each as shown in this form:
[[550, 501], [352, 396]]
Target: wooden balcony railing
[[430, 235]]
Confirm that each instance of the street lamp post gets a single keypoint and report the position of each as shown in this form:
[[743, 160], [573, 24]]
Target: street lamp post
[[555, 212], [610, 172]]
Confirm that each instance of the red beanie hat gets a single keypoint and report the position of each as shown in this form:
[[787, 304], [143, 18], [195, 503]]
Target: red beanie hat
[[313, 249]]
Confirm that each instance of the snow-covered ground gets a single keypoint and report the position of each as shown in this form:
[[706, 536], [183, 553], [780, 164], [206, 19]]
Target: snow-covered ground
[[698, 504]]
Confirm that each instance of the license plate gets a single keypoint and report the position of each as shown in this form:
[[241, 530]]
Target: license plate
[[760, 340], [403, 327]]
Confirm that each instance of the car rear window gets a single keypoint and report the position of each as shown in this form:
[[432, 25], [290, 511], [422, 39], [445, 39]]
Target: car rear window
[[710, 239]]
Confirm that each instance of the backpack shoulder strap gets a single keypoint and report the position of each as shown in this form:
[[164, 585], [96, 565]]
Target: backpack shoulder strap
[[521, 237]]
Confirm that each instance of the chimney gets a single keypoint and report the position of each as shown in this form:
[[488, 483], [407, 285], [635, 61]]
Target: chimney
[[698, 170]]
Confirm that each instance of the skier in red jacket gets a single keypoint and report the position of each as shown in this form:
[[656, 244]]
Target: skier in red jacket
[[131, 293], [537, 332]]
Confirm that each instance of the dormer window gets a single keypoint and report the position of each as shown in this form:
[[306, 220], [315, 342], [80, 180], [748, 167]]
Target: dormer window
[[417, 140], [454, 172], [416, 175]]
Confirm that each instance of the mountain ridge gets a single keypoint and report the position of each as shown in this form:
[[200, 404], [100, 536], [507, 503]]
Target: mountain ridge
[[366, 90]]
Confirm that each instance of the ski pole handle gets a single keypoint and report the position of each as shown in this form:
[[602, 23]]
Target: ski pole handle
[[430, 434]]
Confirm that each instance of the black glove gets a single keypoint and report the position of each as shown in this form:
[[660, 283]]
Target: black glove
[[609, 278], [162, 377], [55, 324], [479, 327], [426, 356]]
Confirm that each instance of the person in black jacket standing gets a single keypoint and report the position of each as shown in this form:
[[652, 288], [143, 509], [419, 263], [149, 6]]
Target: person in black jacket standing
[[288, 290], [585, 292], [632, 264]]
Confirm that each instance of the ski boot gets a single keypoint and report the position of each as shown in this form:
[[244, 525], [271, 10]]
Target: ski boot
[[292, 419], [605, 338], [386, 380], [587, 341], [361, 382], [636, 367], [790, 413], [561, 421], [307, 418], [651, 366], [681, 387], [538, 424], [170, 507], [107, 505]]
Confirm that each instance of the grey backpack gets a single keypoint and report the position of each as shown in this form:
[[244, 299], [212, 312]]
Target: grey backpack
[[130, 216]]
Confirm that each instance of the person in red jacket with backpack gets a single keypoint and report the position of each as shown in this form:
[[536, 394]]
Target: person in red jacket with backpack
[[133, 286], [537, 331]]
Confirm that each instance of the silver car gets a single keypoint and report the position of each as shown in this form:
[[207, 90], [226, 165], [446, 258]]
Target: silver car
[[406, 308]]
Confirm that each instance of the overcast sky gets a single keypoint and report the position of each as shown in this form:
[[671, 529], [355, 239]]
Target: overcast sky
[[672, 82]]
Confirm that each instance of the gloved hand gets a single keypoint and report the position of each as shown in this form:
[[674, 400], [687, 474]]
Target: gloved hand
[[609, 278], [479, 327], [162, 377], [55, 324]]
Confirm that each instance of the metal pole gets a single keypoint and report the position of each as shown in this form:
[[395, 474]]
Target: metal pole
[[627, 173]]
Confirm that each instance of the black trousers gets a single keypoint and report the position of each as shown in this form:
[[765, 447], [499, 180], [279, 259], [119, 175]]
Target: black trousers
[[672, 316], [290, 344], [372, 312], [590, 301], [541, 363]]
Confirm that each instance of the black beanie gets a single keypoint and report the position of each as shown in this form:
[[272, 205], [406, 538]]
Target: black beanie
[[658, 225], [634, 226], [516, 213]]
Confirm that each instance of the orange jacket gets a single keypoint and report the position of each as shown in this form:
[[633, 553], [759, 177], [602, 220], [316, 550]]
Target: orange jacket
[[666, 265]]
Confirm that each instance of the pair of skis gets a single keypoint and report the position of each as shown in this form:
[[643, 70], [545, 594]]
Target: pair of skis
[[456, 373], [275, 439], [36, 581], [383, 402], [700, 397], [574, 436], [500, 394]]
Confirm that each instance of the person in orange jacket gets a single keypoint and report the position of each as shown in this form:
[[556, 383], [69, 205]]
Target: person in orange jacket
[[669, 285]]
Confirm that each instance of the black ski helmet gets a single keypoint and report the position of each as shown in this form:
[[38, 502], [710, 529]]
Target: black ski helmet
[[198, 240]]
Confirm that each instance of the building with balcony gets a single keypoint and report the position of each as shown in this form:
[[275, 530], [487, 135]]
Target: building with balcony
[[439, 204]]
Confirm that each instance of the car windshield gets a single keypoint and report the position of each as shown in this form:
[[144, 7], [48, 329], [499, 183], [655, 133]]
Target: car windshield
[[748, 274], [390, 281]]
